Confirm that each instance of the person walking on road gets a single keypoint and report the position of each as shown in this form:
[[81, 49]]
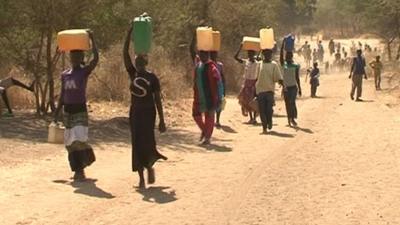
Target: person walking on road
[[76, 119], [357, 73], [206, 95], [291, 79], [321, 52], [331, 47], [248, 91], [145, 104], [221, 86], [269, 74], [314, 79], [377, 66]]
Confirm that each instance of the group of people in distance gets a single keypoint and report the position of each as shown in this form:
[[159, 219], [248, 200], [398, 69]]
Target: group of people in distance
[[356, 64], [261, 74]]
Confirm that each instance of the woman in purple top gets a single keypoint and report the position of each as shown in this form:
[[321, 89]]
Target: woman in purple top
[[73, 100], [145, 104]]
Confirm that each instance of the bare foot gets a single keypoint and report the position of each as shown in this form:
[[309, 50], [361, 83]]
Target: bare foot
[[202, 136], [79, 176], [206, 142], [142, 185]]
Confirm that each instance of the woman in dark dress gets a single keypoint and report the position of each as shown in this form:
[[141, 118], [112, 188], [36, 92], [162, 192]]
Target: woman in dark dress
[[146, 98]]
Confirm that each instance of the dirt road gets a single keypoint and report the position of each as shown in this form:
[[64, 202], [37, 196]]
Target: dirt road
[[341, 166]]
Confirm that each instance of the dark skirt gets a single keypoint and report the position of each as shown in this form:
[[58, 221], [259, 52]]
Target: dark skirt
[[144, 149], [79, 160]]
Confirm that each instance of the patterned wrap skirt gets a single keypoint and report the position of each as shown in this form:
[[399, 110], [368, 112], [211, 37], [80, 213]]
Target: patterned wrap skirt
[[246, 95], [80, 153]]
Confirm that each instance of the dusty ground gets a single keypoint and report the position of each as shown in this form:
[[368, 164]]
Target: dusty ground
[[341, 166]]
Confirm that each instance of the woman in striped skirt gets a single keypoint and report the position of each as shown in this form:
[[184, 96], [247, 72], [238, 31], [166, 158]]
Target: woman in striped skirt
[[73, 100]]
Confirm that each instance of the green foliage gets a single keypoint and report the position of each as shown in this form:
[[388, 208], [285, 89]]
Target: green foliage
[[28, 27], [381, 17]]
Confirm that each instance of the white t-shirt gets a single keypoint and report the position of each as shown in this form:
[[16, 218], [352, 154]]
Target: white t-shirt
[[251, 70]]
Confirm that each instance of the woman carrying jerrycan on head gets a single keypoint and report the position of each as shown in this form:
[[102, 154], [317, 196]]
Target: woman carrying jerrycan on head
[[206, 97], [269, 74], [248, 91], [145, 101], [291, 79], [73, 99], [220, 66]]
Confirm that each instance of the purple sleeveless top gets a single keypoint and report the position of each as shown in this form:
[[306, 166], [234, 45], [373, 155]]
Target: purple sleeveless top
[[73, 84]]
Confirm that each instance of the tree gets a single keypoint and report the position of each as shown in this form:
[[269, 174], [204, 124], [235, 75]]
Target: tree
[[28, 39]]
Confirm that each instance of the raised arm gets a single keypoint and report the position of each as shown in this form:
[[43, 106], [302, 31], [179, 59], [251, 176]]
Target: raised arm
[[92, 65], [130, 68], [192, 48], [259, 56], [237, 58], [282, 58]]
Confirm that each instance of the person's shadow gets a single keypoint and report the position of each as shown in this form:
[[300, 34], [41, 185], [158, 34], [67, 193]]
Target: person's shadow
[[227, 129], [305, 130], [215, 147], [366, 101], [278, 134], [157, 195], [87, 187]]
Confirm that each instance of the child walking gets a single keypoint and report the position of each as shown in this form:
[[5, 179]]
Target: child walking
[[291, 78], [248, 91], [314, 79]]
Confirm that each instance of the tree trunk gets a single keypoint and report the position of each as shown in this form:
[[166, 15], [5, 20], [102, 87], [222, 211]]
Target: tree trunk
[[37, 94], [389, 51], [50, 77], [36, 74]]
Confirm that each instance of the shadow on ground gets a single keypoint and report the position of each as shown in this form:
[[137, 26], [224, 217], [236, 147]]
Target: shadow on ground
[[87, 188], [227, 129], [158, 195], [183, 140], [31, 128], [305, 130], [278, 134]]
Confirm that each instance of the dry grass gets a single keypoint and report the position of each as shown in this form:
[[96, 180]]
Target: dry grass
[[110, 81], [19, 98]]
